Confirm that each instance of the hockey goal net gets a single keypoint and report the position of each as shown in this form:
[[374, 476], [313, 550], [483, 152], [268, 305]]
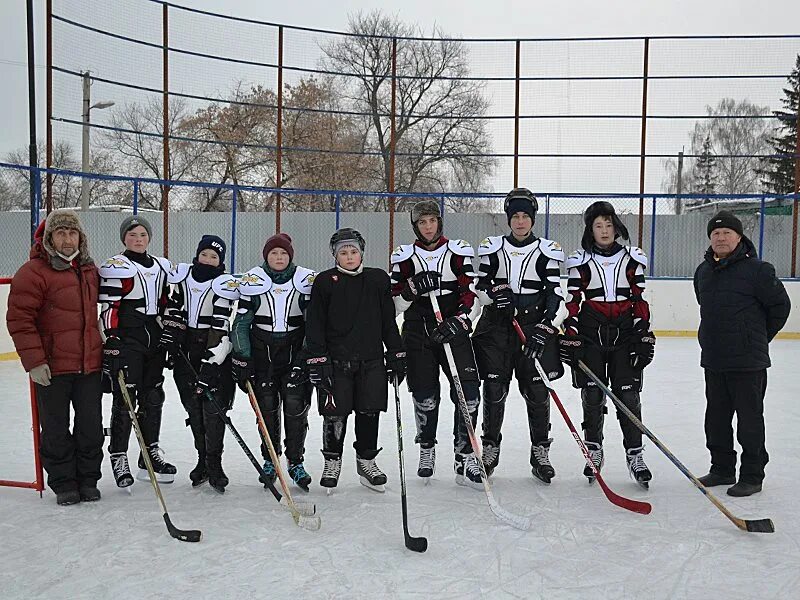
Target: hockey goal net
[[19, 415]]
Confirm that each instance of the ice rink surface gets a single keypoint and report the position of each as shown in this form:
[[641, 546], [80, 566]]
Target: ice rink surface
[[580, 546]]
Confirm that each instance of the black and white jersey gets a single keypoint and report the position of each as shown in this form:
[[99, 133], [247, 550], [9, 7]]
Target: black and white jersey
[[276, 307], [129, 287], [205, 305], [533, 271]]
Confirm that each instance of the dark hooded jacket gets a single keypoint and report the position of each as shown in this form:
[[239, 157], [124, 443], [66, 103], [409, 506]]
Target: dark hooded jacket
[[52, 306], [743, 305]]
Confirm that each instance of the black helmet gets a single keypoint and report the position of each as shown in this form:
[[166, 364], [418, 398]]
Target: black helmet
[[601, 208], [346, 234], [520, 200], [421, 209]]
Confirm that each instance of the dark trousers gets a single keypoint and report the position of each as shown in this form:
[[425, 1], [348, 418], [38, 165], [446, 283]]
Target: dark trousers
[[742, 393], [72, 459]]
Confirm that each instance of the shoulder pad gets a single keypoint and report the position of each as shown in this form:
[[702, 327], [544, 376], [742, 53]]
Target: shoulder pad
[[164, 263], [179, 273], [117, 267], [304, 279], [638, 255], [577, 258], [551, 249], [401, 253], [460, 247], [226, 286], [490, 245], [254, 282]]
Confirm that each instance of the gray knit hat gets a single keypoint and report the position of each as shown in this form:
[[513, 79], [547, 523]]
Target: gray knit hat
[[134, 221]]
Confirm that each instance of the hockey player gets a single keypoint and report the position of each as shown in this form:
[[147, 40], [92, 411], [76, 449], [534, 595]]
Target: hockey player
[[608, 327], [133, 297], [519, 272], [196, 325], [444, 267], [267, 336], [350, 319]]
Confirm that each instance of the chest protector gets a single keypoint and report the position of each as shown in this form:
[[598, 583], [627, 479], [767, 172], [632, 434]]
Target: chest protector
[[278, 307], [148, 282], [200, 298], [522, 268], [439, 260], [608, 275]]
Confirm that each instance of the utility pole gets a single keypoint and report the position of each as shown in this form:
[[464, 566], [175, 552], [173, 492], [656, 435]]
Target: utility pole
[[87, 107], [679, 187]]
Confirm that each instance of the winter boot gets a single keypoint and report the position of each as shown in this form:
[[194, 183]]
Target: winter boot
[[744, 488], [68, 498], [427, 461], [199, 475], [369, 472], [468, 471], [271, 473], [636, 467], [299, 475], [714, 479], [331, 471], [89, 493], [216, 476], [596, 454], [165, 472], [540, 461], [121, 469], [491, 457]]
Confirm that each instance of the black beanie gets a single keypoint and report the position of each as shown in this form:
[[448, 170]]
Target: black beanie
[[516, 205], [212, 242], [725, 218]]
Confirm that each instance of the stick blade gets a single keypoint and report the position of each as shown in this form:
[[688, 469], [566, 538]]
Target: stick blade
[[760, 526], [184, 535], [307, 509], [516, 521], [416, 544], [637, 506], [311, 523]]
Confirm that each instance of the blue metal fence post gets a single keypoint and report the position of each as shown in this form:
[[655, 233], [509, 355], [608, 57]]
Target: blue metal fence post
[[547, 216], [338, 206], [761, 228], [135, 196], [233, 229], [653, 240]]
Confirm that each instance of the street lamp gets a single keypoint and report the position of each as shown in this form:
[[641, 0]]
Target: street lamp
[[87, 107]]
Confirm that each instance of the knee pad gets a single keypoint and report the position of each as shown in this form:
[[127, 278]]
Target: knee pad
[[535, 395], [592, 398], [494, 392], [631, 400]]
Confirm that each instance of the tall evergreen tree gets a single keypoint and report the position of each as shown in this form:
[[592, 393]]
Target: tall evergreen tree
[[778, 173], [705, 176]]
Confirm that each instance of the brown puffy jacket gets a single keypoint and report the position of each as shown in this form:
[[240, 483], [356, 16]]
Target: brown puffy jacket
[[52, 312]]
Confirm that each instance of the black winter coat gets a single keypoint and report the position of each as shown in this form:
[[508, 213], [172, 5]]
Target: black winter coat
[[743, 305]]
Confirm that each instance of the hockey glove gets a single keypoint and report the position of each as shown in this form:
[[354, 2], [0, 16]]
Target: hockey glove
[[571, 349], [115, 359], [420, 285], [242, 370], [297, 377], [642, 349], [174, 333], [451, 328], [320, 373], [501, 295], [396, 366], [538, 339], [208, 377]]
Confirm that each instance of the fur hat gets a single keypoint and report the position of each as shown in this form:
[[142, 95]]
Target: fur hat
[[601, 208], [66, 218], [279, 240], [134, 221], [725, 218], [422, 209]]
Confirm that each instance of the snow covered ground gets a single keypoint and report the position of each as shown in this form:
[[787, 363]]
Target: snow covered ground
[[581, 546]]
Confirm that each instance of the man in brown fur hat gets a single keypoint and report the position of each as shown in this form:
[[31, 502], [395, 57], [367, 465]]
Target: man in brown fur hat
[[52, 318]]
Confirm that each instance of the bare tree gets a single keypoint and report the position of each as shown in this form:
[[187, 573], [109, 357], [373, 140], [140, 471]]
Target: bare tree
[[438, 112]]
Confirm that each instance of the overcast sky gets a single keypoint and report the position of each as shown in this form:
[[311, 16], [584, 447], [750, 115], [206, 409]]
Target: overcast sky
[[464, 18]]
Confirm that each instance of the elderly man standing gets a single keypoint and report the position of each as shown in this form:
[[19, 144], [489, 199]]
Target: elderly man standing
[[52, 318], [743, 305]]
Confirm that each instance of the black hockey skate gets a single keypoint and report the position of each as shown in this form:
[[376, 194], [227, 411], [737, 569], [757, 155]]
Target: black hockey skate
[[165, 472], [331, 471], [540, 462], [199, 475], [596, 454], [468, 471], [427, 462], [299, 475], [491, 457], [217, 478], [636, 467], [121, 469], [269, 469], [370, 473]]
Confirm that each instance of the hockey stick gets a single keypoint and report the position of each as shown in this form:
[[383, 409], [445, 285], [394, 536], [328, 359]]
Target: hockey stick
[[754, 526], [416, 544], [636, 506], [312, 523], [303, 508], [184, 535], [518, 521]]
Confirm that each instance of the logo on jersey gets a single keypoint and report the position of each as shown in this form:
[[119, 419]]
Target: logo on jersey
[[515, 253], [197, 290], [115, 263], [231, 284], [278, 290], [250, 279]]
